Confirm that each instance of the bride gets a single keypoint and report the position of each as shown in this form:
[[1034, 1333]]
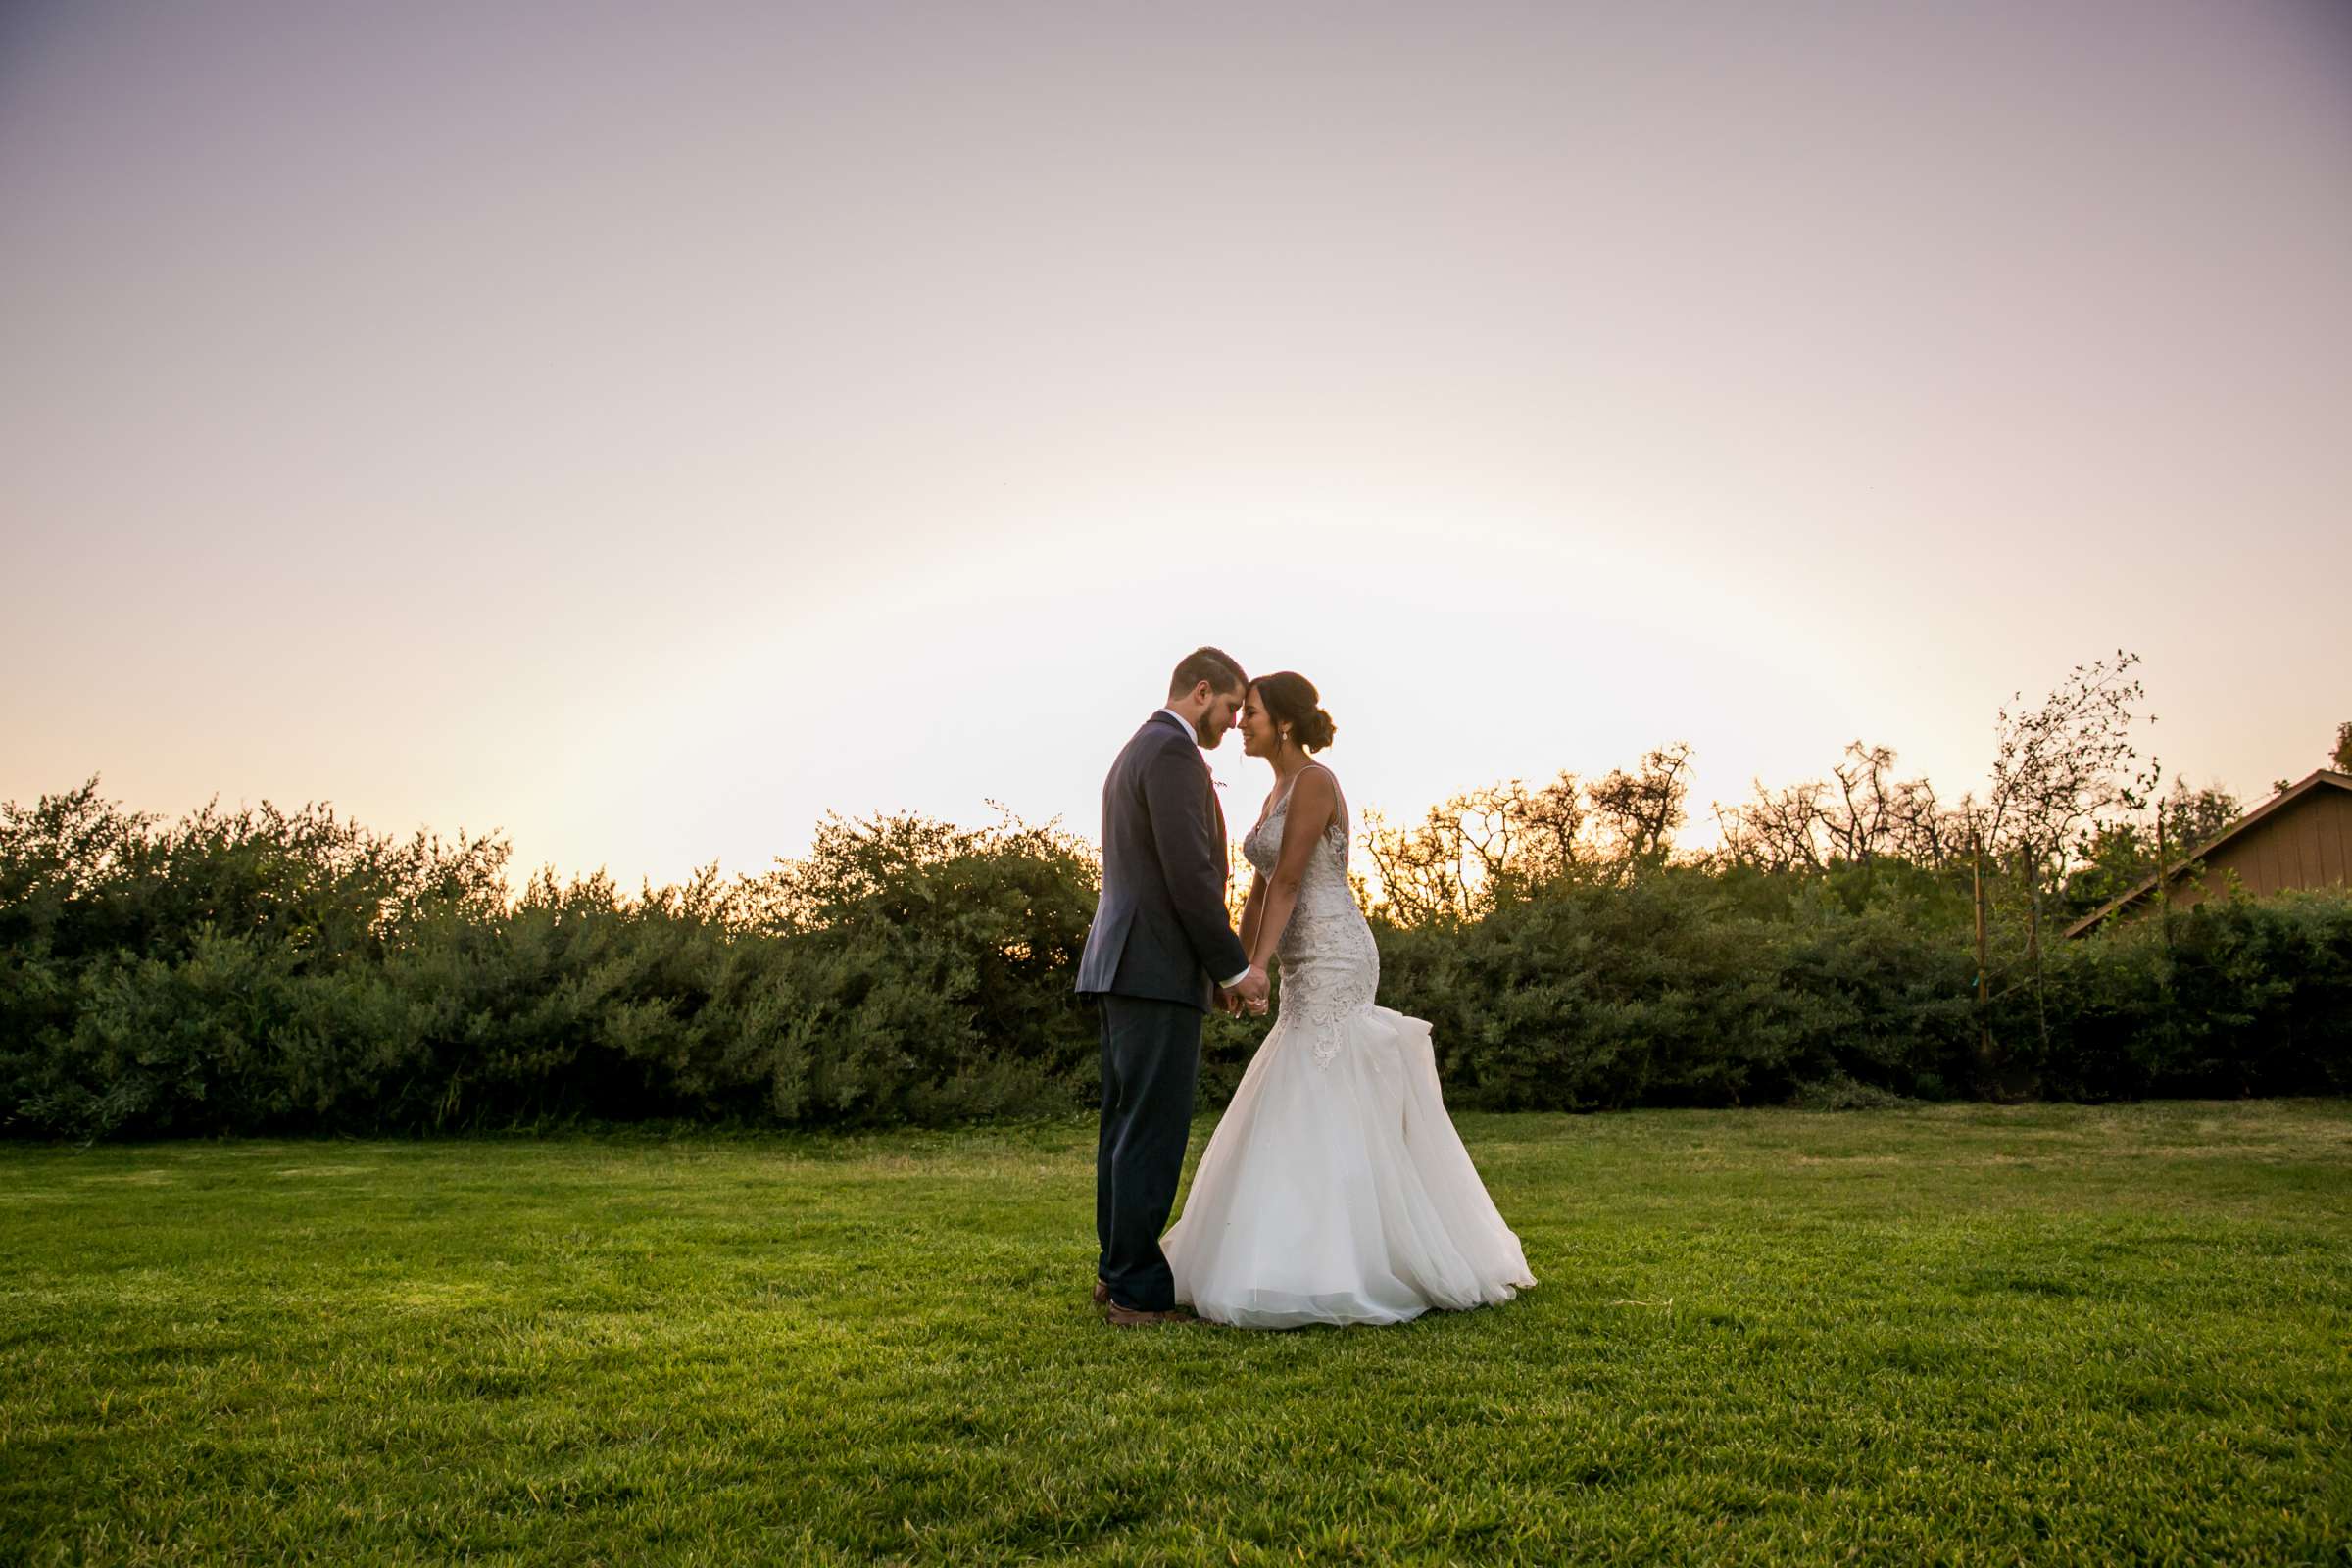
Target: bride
[[1335, 1189]]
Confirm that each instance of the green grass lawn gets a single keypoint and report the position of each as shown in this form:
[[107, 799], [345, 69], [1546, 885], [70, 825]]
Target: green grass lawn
[[1959, 1333]]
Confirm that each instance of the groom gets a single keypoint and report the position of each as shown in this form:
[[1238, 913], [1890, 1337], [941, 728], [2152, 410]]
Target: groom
[[1159, 947]]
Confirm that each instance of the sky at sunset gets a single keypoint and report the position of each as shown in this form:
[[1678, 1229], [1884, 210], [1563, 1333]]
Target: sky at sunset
[[641, 428]]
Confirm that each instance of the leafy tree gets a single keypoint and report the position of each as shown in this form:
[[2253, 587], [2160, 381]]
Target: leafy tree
[[2119, 853]]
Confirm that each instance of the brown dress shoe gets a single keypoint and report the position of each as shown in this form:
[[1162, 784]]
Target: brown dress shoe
[[1101, 1294], [1129, 1317]]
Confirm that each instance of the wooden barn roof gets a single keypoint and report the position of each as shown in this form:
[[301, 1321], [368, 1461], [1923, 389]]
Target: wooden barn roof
[[2324, 779]]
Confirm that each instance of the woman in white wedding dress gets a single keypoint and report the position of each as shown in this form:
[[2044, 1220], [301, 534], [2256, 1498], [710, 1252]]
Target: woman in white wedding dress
[[1335, 1189]]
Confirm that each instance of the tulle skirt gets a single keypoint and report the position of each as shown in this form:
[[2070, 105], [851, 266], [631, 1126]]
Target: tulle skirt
[[1338, 1192]]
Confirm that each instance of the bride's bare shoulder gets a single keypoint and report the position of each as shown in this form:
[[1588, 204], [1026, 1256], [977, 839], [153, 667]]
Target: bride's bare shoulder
[[1315, 792]]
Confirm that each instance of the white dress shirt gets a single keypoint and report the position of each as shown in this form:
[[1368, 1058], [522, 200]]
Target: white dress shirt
[[1192, 730]]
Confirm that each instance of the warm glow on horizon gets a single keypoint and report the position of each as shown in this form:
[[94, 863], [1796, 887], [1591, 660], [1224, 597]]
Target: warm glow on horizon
[[646, 445]]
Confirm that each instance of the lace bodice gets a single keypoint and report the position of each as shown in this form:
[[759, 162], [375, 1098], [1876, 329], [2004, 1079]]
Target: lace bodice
[[1325, 887], [1330, 965]]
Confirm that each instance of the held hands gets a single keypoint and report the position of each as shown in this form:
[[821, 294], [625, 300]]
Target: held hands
[[1251, 992], [1249, 995]]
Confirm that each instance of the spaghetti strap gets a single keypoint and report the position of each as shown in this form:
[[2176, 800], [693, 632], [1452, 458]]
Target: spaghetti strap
[[1281, 802]]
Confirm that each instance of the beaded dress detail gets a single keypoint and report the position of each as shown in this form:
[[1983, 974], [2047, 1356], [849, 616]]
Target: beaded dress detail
[[1330, 963], [1335, 1189]]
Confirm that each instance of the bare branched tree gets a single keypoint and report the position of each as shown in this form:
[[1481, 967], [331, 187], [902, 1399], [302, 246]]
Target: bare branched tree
[[1423, 875], [1640, 811], [1507, 839], [1452, 864], [1775, 831], [1865, 813], [2055, 768]]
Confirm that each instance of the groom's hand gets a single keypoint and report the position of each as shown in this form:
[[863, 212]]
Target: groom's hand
[[1252, 989]]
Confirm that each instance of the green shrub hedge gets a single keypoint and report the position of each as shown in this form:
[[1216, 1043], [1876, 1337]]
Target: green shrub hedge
[[264, 971]]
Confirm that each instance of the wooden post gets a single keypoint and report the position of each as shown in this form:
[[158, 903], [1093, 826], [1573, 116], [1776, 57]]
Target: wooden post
[[2041, 1010], [1976, 848], [2164, 891]]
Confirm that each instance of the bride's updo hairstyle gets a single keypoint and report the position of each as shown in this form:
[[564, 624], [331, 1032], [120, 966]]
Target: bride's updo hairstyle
[[1291, 698]]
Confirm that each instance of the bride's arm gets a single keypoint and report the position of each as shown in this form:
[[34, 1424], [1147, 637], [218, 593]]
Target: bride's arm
[[1254, 909], [1312, 801]]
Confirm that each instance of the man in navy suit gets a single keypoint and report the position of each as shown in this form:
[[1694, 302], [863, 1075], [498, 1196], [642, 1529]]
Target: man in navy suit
[[1158, 953]]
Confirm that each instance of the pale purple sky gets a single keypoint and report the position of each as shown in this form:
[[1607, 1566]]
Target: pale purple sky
[[641, 428]]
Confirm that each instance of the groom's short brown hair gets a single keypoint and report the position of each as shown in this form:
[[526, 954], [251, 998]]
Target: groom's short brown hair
[[1212, 664]]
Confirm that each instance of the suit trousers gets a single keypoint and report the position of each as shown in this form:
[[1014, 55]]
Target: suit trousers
[[1150, 1067]]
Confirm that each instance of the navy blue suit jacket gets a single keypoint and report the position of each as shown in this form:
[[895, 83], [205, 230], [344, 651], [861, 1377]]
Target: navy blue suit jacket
[[1160, 930]]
